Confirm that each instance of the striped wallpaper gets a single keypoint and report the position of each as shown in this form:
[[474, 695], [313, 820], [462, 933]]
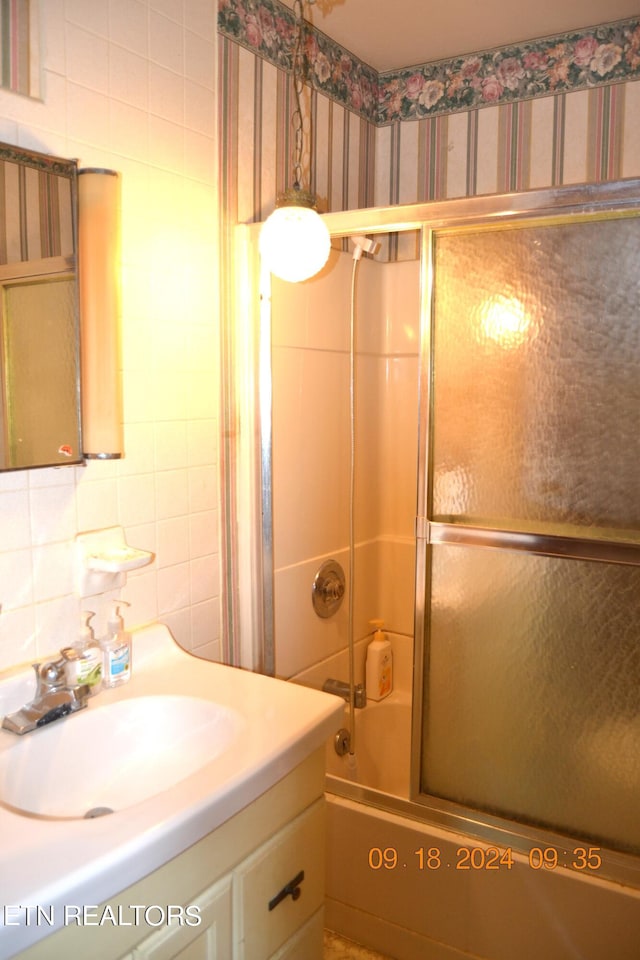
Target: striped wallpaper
[[256, 142], [577, 135], [15, 36], [36, 207]]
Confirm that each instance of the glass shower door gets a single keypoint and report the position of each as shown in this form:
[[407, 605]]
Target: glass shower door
[[531, 686]]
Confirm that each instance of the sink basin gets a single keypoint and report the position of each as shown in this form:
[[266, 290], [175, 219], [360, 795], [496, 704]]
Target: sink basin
[[176, 752], [108, 757]]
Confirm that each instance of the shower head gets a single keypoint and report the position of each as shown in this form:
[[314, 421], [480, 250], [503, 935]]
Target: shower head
[[364, 245]]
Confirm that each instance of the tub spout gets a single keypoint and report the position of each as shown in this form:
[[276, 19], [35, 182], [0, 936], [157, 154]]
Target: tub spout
[[341, 689]]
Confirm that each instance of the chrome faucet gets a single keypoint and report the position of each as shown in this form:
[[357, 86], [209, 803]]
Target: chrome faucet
[[341, 689], [54, 699]]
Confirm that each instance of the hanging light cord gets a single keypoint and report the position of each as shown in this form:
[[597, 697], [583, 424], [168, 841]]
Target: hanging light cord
[[298, 83], [294, 240], [299, 68]]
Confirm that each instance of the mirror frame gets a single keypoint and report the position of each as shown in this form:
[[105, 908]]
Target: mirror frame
[[57, 266]]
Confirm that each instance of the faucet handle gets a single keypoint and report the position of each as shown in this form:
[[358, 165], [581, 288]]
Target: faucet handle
[[49, 675]]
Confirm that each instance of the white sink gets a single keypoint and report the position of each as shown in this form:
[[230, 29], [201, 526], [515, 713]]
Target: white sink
[[175, 752], [106, 758]]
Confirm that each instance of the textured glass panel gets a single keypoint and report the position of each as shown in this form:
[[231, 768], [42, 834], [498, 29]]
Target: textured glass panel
[[537, 378], [41, 350], [532, 691]]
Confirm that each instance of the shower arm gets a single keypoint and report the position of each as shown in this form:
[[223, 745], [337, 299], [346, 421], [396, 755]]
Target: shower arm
[[364, 245]]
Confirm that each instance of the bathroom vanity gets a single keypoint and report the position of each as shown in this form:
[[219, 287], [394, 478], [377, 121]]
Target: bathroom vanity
[[222, 857]]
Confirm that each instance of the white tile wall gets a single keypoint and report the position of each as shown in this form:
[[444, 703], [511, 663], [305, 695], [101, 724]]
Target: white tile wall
[[129, 84], [311, 458]]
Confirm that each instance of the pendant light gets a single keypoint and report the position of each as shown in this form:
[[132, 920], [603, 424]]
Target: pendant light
[[294, 241]]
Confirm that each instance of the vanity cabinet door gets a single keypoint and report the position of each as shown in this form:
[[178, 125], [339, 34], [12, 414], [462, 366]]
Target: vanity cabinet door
[[210, 940], [307, 943], [267, 878]]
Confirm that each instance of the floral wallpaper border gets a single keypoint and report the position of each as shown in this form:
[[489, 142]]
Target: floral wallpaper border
[[267, 28], [572, 61]]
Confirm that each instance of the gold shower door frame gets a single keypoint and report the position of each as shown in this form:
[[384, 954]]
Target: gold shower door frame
[[554, 809], [547, 206]]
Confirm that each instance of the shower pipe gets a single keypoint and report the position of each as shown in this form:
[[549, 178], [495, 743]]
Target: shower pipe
[[361, 245]]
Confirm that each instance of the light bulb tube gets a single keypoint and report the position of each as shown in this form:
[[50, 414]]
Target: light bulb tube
[[98, 272]]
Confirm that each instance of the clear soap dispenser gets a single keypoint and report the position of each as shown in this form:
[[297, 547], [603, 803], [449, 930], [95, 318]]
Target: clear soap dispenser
[[116, 647], [83, 659]]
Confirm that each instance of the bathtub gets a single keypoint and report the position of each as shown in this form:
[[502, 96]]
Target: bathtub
[[417, 891], [383, 747]]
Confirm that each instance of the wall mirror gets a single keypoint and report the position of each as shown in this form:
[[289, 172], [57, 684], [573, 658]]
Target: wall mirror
[[39, 312]]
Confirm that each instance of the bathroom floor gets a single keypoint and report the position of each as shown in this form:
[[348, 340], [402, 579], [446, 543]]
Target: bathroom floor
[[337, 948]]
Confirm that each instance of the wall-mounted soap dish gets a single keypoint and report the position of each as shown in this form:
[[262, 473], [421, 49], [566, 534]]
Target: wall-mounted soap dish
[[103, 558]]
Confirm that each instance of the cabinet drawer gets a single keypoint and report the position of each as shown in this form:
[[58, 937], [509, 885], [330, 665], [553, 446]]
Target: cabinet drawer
[[211, 938], [263, 879]]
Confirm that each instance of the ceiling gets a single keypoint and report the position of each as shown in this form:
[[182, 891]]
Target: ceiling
[[390, 34]]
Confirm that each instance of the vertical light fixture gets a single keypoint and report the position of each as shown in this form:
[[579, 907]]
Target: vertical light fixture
[[98, 272], [294, 241]]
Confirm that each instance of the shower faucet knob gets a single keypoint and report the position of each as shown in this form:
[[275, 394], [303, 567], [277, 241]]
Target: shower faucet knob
[[332, 590], [328, 589]]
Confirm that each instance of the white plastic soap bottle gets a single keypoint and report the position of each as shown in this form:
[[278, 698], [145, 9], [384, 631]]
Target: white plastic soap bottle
[[116, 647], [379, 671], [83, 661]]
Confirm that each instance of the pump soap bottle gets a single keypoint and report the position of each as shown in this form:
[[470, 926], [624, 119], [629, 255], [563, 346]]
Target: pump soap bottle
[[83, 659], [379, 670], [116, 646]]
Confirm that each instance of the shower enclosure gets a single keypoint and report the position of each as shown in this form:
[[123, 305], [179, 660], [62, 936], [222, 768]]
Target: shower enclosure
[[497, 523], [532, 613]]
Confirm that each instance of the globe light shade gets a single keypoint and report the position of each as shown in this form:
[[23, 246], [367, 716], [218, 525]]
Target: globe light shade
[[294, 240]]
